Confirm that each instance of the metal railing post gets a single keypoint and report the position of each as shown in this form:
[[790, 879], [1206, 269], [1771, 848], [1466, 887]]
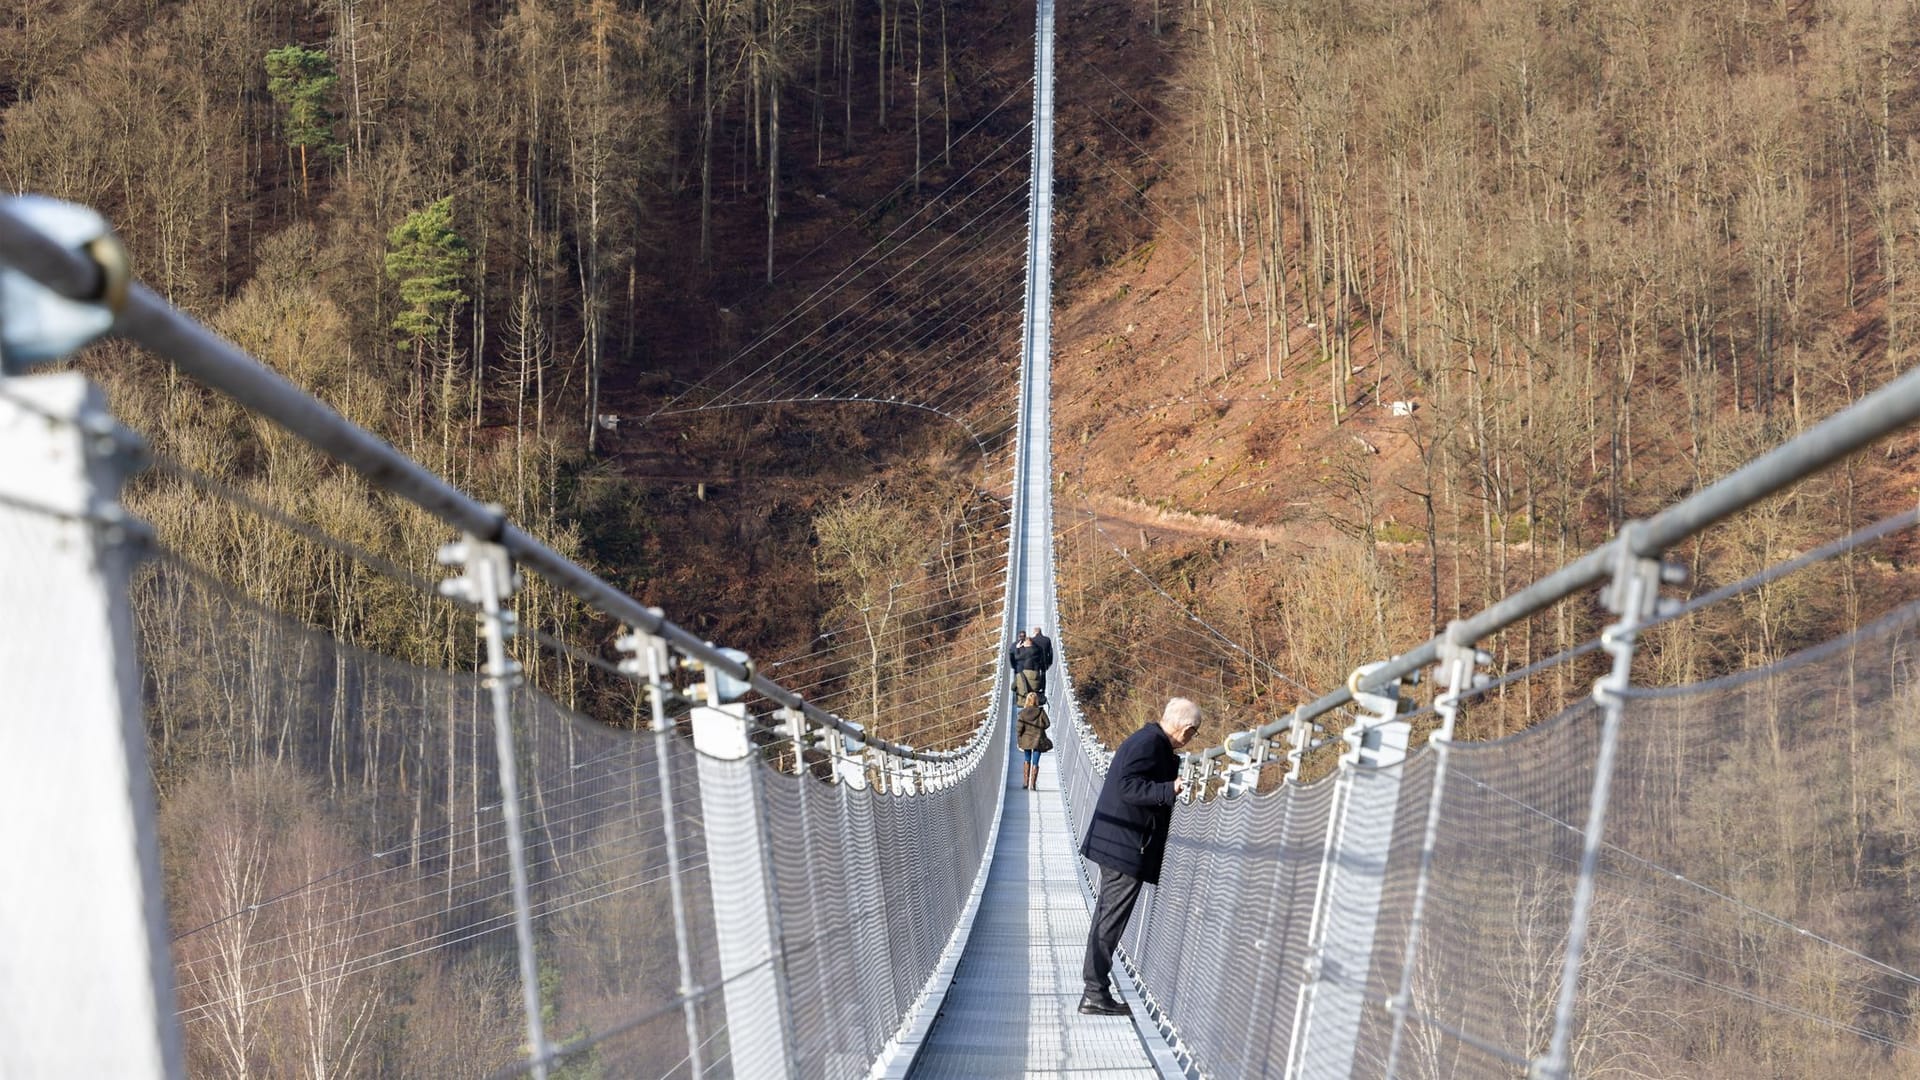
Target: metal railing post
[[1299, 735], [488, 583], [86, 975], [1359, 838], [1633, 595], [654, 669], [1459, 658], [746, 934], [794, 721]]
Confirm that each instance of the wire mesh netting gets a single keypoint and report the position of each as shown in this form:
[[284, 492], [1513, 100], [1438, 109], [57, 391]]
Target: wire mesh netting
[[1507, 847], [338, 880], [1750, 914], [870, 886], [337, 866], [1755, 897]]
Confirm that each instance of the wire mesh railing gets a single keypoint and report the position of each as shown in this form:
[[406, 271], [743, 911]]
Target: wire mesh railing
[[1748, 898]]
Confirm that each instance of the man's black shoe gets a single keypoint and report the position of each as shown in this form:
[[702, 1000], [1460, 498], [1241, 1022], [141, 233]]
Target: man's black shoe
[[1091, 1005]]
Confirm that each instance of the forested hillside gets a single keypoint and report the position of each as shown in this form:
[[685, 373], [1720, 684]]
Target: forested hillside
[[471, 228], [1391, 308], [1602, 252]]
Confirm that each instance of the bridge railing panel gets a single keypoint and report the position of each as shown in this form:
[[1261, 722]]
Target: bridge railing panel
[[1497, 902], [869, 884]]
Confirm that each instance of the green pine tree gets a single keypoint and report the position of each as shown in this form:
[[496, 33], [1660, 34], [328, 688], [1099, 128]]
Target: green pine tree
[[302, 81], [427, 259]]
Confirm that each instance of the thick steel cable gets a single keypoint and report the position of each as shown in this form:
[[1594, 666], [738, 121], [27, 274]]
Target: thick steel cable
[[784, 364]]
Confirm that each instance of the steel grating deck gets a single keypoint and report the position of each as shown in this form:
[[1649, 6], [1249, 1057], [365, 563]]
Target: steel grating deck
[[1011, 1009]]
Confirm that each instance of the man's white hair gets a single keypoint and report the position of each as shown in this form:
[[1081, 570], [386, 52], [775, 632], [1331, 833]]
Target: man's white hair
[[1036, 629], [1180, 713]]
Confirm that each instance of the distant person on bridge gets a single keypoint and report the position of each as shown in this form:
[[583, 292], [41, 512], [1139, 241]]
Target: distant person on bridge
[[1033, 740], [1128, 838], [1030, 658], [1042, 651], [1026, 677]]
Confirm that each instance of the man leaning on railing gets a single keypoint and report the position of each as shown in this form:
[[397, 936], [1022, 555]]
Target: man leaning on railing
[[1128, 839]]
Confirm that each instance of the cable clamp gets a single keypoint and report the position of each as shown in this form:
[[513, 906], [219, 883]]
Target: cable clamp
[[39, 325]]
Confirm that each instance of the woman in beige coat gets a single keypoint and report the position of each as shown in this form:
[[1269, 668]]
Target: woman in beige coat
[[1032, 739]]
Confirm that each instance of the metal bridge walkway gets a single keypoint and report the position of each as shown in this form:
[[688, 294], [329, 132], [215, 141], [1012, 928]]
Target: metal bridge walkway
[[1012, 1007]]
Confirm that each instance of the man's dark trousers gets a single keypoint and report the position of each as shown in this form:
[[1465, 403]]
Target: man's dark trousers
[[1111, 909]]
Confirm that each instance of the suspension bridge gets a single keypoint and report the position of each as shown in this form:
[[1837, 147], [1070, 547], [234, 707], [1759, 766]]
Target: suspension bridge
[[430, 872]]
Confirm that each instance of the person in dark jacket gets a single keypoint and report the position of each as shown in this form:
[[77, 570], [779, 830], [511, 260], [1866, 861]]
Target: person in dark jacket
[[1026, 669], [1042, 651], [1128, 839], [1033, 730]]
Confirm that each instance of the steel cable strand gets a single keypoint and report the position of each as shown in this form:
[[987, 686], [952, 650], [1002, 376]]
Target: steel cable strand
[[890, 197], [937, 597], [778, 356], [929, 366], [785, 363], [819, 663], [978, 237], [933, 599], [963, 396], [835, 283]]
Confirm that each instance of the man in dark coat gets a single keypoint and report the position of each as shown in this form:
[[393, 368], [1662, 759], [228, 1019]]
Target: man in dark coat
[[1025, 661], [1128, 839], [1042, 651]]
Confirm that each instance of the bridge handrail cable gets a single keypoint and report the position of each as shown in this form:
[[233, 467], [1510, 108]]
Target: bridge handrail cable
[[1881, 412], [149, 320]]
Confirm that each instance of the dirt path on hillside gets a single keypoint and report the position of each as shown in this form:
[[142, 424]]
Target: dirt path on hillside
[[1130, 524]]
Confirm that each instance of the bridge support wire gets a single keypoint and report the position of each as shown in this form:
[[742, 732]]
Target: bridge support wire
[[1459, 659], [660, 691], [488, 583], [1633, 595]]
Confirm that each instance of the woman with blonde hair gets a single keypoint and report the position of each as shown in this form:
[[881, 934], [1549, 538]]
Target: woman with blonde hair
[[1032, 739]]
